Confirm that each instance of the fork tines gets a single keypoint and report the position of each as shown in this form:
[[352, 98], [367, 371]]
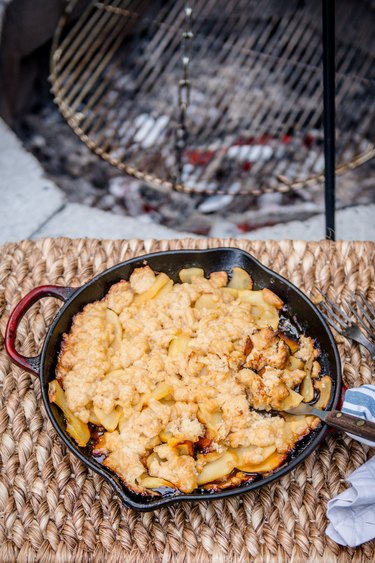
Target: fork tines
[[340, 316], [330, 309], [365, 313]]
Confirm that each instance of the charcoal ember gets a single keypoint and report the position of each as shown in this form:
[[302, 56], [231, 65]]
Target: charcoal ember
[[250, 219], [150, 130], [79, 162], [79, 189], [176, 209], [106, 202], [98, 177], [90, 200], [240, 204], [196, 223], [365, 192], [215, 203], [119, 209], [318, 167], [37, 142], [150, 218], [132, 198], [271, 200], [118, 186], [250, 153], [152, 196], [303, 195]]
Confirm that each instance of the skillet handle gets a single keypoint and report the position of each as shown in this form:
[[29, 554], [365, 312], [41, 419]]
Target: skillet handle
[[352, 424], [30, 364]]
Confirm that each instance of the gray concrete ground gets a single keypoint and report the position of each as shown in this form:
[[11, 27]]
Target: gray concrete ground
[[28, 199], [353, 223], [33, 207]]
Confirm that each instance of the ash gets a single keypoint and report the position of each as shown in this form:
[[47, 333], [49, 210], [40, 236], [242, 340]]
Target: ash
[[88, 180]]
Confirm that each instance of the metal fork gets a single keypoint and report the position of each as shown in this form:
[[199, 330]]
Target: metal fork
[[346, 327]]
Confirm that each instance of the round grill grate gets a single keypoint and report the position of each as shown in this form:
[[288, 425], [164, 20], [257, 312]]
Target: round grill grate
[[253, 112]]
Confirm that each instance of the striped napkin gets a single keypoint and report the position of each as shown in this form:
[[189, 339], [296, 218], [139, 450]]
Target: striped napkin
[[352, 514]]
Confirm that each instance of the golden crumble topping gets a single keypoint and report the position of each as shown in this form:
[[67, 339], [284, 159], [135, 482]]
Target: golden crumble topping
[[184, 378]]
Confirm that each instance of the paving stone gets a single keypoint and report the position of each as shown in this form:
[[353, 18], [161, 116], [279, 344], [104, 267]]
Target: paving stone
[[77, 220], [353, 223], [27, 197]]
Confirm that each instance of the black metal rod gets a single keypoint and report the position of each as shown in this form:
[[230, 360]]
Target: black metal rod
[[328, 9]]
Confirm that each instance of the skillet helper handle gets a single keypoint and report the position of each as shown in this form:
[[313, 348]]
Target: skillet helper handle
[[352, 424], [31, 365]]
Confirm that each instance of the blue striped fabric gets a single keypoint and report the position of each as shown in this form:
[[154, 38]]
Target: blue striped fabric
[[360, 402], [352, 513]]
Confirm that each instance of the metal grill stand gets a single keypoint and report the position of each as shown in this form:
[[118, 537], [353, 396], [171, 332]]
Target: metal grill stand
[[328, 12]]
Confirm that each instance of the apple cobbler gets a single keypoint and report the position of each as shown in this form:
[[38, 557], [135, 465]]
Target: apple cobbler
[[186, 384]]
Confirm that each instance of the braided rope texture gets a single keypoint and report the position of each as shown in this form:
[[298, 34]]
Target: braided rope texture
[[52, 508]]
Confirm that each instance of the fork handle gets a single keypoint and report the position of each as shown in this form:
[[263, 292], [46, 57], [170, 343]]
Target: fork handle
[[361, 339], [352, 424]]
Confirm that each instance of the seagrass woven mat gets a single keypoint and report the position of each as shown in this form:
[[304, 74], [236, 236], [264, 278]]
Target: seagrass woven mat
[[54, 509]]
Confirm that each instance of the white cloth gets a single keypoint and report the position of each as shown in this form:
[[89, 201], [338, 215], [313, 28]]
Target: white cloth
[[352, 513]]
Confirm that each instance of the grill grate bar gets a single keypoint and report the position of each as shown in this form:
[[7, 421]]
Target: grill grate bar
[[69, 77], [73, 39], [95, 101], [79, 40]]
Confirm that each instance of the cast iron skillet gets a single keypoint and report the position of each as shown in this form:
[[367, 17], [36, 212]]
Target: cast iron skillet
[[171, 262]]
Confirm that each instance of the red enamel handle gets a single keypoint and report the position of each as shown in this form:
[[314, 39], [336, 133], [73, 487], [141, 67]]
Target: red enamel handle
[[30, 364]]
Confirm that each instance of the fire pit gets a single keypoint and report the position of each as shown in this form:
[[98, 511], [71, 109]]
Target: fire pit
[[214, 97], [254, 119]]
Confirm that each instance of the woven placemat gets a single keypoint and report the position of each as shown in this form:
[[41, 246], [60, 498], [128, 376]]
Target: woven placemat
[[54, 509]]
